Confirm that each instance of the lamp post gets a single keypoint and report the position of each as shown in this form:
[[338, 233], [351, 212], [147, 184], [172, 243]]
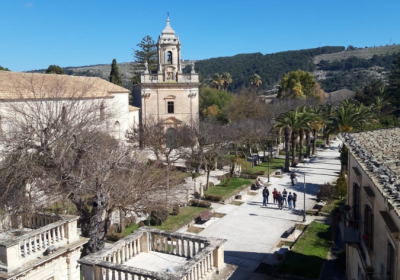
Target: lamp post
[[304, 189], [270, 148], [269, 160]]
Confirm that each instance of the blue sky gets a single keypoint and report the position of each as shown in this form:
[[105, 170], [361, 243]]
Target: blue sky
[[37, 33]]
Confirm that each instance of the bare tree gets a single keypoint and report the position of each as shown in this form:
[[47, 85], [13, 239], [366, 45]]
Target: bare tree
[[171, 146], [57, 146]]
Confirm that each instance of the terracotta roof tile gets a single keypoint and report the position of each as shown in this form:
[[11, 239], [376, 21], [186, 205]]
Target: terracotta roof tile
[[16, 85]]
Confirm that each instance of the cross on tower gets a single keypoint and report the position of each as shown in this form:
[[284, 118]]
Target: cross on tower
[[168, 14]]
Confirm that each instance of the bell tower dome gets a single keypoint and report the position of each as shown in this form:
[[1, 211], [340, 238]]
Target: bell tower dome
[[169, 54]]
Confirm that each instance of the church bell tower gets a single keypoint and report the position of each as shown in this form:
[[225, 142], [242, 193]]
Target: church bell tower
[[169, 54]]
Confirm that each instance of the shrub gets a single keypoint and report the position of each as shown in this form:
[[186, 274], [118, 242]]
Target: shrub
[[341, 184], [261, 172], [158, 216], [114, 236], [213, 197], [175, 209], [199, 203], [141, 224], [327, 192]]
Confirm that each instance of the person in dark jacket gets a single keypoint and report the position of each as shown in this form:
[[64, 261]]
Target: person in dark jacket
[[265, 195], [294, 200], [274, 194], [284, 196], [292, 177], [290, 200], [279, 199]]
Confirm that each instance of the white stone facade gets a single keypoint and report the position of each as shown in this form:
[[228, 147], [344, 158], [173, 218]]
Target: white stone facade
[[168, 96]]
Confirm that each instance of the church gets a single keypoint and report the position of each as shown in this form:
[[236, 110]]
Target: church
[[168, 96]]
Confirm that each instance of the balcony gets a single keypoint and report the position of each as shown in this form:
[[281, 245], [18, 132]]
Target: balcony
[[26, 240], [168, 78], [149, 254]]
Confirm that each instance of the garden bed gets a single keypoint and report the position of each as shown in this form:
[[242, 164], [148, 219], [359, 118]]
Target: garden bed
[[223, 192], [308, 254]]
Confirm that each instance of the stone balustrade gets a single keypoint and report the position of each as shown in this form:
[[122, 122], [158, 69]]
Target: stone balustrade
[[39, 240], [28, 237], [176, 77], [204, 256]]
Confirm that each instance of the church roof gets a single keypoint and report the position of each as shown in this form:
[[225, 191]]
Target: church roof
[[168, 31], [16, 85]]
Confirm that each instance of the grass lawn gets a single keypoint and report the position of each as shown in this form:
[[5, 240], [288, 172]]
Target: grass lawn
[[186, 214], [194, 229], [237, 203], [336, 203], [221, 189], [308, 253], [276, 164]]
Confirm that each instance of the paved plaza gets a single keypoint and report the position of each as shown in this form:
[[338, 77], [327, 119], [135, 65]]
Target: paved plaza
[[253, 230]]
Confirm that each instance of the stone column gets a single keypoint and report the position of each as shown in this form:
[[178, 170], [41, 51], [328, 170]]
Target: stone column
[[188, 249], [201, 191], [178, 253], [194, 248], [134, 247], [40, 242], [113, 274], [62, 232]]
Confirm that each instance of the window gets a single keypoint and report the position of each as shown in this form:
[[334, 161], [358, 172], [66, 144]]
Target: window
[[102, 112], [117, 129], [169, 57], [356, 201], [368, 227], [170, 107], [390, 262], [63, 114]]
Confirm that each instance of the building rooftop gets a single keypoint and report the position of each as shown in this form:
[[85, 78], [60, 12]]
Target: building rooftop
[[378, 153], [16, 85]]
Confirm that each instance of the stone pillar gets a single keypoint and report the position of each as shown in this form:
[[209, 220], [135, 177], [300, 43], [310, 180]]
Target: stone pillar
[[177, 247], [139, 244], [219, 258], [112, 274], [62, 232], [188, 249], [40, 242], [134, 247], [194, 248], [201, 191]]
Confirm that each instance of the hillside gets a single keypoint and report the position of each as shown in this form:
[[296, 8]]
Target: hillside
[[334, 67], [103, 71]]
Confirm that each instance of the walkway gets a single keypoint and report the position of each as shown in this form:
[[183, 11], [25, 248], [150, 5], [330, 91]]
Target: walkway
[[253, 230]]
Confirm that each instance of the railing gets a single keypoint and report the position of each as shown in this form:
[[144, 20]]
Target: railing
[[123, 252], [153, 78], [176, 246], [185, 78], [39, 240]]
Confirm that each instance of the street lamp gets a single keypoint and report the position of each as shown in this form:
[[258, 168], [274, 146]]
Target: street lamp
[[304, 189], [270, 147]]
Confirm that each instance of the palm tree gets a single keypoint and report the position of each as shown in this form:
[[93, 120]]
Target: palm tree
[[328, 111], [255, 81], [350, 115], [227, 80], [317, 125], [217, 81], [291, 119]]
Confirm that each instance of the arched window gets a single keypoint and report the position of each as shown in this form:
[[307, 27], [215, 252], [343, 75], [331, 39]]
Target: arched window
[[117, 130], [368, 226], [170, 136], [169, 57]]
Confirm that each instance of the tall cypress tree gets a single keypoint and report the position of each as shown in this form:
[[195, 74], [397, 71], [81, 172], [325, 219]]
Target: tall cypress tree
[[115, 77]]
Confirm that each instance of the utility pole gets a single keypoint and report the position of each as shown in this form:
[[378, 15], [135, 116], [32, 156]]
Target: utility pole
[[269, 160], [304, 213]]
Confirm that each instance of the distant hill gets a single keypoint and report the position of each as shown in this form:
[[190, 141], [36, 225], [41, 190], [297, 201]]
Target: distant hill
[[334, 67], [103, 71]]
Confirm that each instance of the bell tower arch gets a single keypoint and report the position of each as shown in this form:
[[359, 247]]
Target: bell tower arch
[[169, 54]]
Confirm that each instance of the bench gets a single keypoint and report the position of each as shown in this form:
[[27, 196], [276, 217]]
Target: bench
[[282, 252], [204, 217]]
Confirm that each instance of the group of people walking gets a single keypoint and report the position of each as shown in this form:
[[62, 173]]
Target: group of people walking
[[280, 198]]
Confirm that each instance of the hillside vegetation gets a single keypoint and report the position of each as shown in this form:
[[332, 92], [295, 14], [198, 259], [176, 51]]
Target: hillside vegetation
[[271, 67]]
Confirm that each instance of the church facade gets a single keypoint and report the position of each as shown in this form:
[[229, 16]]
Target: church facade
[[168, 96]]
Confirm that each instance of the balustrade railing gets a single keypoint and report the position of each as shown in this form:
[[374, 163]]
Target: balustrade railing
[[153, 77], [38, 241]]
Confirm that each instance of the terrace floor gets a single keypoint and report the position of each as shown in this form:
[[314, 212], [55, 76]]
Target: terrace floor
[[155, 261]]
